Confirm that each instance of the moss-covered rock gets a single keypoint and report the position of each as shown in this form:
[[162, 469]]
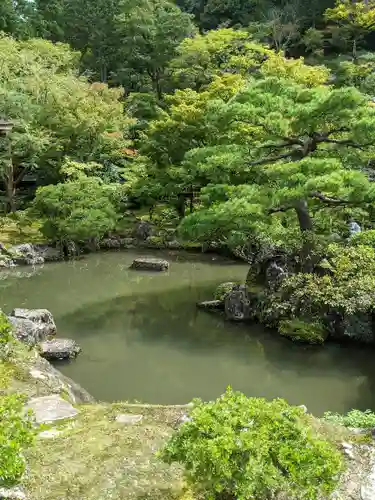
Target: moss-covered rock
[[223, 290], [300, 330]]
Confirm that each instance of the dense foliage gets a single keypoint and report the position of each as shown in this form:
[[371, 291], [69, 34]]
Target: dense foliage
[[239, 447], [252, 122], [16, 434], [355, 419]]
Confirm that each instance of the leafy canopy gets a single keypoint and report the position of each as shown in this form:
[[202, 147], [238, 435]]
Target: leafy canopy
[[77, 210]]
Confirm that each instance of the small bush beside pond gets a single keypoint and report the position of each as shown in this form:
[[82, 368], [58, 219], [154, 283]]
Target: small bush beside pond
[[354, 418], [240, 448], [303, 331]]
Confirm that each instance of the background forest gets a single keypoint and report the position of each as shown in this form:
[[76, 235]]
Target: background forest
[[247, 125]]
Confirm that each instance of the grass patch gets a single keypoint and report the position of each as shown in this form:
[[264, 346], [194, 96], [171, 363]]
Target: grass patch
[[97, 458]]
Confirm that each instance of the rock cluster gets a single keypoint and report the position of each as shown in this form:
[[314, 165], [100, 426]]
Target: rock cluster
[[28, 254], [36, 327]]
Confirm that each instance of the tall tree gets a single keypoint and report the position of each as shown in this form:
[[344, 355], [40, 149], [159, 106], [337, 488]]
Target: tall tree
[[55, 113], [150, 32], [294, 162]]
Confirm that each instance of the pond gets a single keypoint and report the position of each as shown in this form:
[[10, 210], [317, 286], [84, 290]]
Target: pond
[[143, 338]]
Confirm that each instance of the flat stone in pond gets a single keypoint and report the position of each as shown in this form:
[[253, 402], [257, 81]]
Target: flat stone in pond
[[59, 349], [51, 408], [150, 264], [128, 418], [210, 305]]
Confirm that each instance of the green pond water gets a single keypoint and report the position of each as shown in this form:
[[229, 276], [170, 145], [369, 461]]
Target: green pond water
[[143, 338]]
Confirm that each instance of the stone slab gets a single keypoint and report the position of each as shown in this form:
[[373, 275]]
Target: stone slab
[[128, 418], [51, 408]]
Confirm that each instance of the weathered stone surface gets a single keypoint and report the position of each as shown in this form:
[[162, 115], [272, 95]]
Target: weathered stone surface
[[59, 349], [6, 262], [49, 253], [150, 264], [237, 304], [41, 317], [51, 408], [50, 434], [128, 242], [26, 254], [110, 243], [49, 380], [26, 331], [128, 418], [210, 305], [368, 485], [142, 230], [14, 493]]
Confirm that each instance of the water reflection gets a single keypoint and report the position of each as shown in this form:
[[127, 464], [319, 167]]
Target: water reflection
[[144, 339]]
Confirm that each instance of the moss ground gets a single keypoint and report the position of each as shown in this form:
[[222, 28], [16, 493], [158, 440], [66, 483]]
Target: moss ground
[[97, 458]]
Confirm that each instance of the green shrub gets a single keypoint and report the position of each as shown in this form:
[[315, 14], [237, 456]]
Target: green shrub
[[354, 418], [16, 434], [302, 331], [366, 238], [6, 337], [222, 290], [241, 448]]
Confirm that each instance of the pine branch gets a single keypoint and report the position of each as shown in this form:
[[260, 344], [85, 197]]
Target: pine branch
[[270, 159]]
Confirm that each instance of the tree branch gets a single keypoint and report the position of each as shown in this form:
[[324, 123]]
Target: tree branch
[[271, 159], [331, 201]]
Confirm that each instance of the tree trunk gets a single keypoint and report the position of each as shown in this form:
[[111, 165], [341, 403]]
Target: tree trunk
[[306, 228], [180, 205]]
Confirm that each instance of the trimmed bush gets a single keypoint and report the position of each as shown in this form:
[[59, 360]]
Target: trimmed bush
[[241, 448]]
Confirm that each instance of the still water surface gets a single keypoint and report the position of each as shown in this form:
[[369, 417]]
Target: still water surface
[[143, 338]]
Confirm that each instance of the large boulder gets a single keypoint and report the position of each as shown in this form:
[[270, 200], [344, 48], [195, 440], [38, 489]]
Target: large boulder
[[238, 304], [49, 253], [42, 318], [59, 349], [223, 290], [26, 331], [26, 254], [150, 264], [142, 230]]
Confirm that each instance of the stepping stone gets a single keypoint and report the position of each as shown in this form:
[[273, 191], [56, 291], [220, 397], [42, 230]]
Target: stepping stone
[[51, 408], [59, 349], [150, 264], [128, 418]]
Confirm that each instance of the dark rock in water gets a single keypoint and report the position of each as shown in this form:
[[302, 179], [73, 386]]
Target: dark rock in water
[[142, 230], [149, 264], [110, 243], [26, 331], [26, 254], [41, 317], [49, 253], [6, 262], [128, 242], [210, 305], [237, 304], [59, 349]]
